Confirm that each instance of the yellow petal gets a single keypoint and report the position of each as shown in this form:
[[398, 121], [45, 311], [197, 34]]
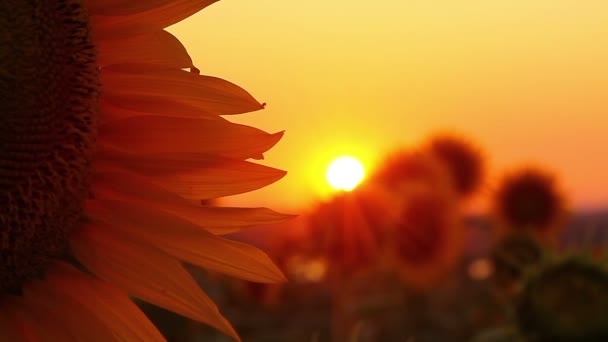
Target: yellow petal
[[146, 273], [186, 241], [159, 134], [109, 304], [155, 15], [156, 48], [218, 220], [136, 84]]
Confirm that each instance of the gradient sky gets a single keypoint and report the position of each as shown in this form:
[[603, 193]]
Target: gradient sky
[[527, 80]]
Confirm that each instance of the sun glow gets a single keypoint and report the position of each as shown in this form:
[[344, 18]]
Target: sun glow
[[345, 173]]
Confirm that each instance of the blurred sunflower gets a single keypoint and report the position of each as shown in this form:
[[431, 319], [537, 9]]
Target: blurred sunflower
[[345, 230], [406, 168], [426, 239], [463, 159], [528, 201], [351, 229], [107, 147], [408, 200]]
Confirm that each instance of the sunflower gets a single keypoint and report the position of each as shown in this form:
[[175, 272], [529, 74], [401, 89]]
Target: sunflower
[[345, 228], [529, 201], [405, 168], [109, 141], [462, 158], [426, 239]]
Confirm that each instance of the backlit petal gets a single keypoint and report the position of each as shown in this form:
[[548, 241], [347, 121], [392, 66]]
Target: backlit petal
[[12, 325], [122, 7], [130, 106], [186, 241], [218, 220], [156, 48], [154, 18], [8, 328], [111, 306], [131, 85], [146, 273], [42, 327], [165, 107], [196, 176], [158, 134], [80, 322]]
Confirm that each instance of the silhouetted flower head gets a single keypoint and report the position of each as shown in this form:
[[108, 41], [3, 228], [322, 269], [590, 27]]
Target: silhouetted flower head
[[529, 200], [565, 301], [348, 230], [110, 138], [426, 238], [406, 168], [463, 159]]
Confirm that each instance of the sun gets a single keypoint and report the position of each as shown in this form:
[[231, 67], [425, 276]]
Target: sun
[[345, 173]]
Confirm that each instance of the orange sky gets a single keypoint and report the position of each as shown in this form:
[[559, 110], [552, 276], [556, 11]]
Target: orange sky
[[528, 80]]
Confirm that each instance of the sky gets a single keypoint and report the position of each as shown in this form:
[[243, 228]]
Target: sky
[[526, 80]]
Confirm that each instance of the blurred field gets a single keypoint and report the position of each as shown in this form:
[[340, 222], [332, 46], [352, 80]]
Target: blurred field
[[400, 259]]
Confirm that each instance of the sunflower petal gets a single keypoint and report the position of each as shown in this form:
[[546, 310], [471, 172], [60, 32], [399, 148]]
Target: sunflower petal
[[77, 320], [43, 327], [112, 111], [164, 106], [138, 83], [13, 326], [111, 306], [26, 329], [146, 273], [186, 241], [8, 329], [80, 322], [220, 181], [122, 7], [218, 220], [155, 48], [196, 176], [158, 134], [109, 112], [158, 14]]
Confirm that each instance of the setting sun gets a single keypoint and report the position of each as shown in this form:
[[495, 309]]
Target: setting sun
[[344, 173]]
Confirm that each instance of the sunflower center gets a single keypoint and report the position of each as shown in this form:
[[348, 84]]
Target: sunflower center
[[49, 85]]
